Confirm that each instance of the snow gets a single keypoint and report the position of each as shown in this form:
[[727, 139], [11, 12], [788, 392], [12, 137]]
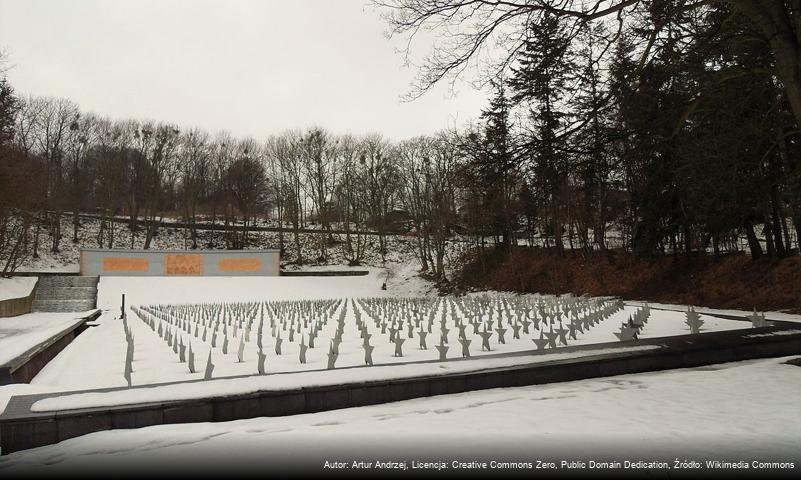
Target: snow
[[149, 290], [95, 358], [771, 315], [16, 287], [246, 385], [51, 264], [740, 405], [14, 389], [773, 334], [746, 409], [101, 349], [19, 334], [404, 280]]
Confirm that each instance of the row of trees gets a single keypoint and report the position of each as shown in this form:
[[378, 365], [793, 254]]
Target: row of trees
[[57, 161], [658, 126], [674, 121]]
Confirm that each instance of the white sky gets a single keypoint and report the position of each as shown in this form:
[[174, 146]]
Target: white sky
[[253, 67]]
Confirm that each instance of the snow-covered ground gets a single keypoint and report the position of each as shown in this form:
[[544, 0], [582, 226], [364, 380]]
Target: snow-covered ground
[[102, 349], [748, 405], [16, 287], [770, 315], [151, 290], [746, 410], [289, 381]]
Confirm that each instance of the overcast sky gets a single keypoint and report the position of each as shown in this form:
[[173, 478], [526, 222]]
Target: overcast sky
[[253, 67]]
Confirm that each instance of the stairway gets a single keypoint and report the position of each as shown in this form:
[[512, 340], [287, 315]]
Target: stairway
[[60, 293]]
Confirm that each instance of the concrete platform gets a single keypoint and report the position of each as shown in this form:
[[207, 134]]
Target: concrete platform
[[22, 368], [20, 428]]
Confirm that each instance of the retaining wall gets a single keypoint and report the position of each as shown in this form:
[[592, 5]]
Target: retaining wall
[[17, 306]]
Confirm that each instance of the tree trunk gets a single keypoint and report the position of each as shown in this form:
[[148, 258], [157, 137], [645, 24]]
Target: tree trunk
[[753, 241], [299, 254], [793, 183], [101, 232], [56, 231], [76, 223], [193, 228], [769, 245], [111, 233], [776, 220]]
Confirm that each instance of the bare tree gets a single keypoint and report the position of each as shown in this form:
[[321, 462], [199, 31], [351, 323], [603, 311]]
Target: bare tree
[[246, 184], [80, 138], [283, 157], [320, 170], [26, 119], [382, 181], [429, 194], [51, 131], [222, 153], [194, 161], [157, 143], [292, 165], [111, 157], [351, 193], [415, 157]]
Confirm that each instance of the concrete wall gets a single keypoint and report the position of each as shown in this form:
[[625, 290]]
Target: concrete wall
[[228, 263], [17, 306]]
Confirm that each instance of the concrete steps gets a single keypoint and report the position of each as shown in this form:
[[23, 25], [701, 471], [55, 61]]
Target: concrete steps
[[67, 293], [67, 281], [63, 305], [61, 293]]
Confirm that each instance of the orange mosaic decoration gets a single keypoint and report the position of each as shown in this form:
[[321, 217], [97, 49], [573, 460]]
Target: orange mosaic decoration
[[124, 264], [182, 264], [240, 264]]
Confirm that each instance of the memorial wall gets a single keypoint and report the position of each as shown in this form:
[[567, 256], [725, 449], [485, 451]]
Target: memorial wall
[[180, 262]]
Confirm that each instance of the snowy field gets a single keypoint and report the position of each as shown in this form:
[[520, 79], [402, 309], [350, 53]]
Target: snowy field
[[313, 324], [748, 410]]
